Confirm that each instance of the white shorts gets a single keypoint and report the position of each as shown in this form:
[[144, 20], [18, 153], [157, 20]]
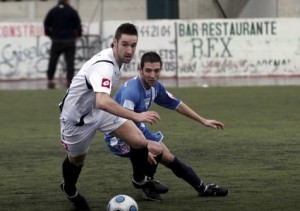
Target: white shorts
[[77, 140]]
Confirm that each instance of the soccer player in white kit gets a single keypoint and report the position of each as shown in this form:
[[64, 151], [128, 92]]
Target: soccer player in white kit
[[87, 107]]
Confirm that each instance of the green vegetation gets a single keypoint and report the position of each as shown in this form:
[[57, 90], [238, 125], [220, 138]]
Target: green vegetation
[[256, 156]]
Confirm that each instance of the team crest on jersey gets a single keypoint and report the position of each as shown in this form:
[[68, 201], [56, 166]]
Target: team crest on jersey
[[105, 83]]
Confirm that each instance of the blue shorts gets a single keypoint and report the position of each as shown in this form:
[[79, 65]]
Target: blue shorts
[[119, 147]]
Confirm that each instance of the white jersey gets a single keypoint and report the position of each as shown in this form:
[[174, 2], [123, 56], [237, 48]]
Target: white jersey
[[99, 74]]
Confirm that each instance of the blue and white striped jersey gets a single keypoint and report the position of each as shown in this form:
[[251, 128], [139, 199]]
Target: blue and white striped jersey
[[132, 95]]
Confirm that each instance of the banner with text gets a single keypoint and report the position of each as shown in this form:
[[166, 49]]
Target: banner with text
[[251, 47], [24, 51], [189, 48]]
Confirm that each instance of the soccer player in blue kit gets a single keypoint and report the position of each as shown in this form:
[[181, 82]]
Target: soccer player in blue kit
[[138, 94]]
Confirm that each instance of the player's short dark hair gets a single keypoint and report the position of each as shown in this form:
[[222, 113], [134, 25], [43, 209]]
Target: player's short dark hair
[[151, 57], [62, 1], [125, 28]]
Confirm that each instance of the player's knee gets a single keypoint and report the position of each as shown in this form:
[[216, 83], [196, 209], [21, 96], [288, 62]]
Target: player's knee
[[155, 148], [167, 158], [135, 138], [77, 161], [138, 143]]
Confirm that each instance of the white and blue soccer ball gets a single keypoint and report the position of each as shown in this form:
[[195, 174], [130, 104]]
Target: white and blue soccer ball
[[122, 203]]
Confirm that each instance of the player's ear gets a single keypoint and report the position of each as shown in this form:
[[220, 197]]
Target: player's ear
[[139, 67], [114, 43]]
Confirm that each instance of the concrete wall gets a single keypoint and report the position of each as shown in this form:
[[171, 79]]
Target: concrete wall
[[260, 9], [90, 10], [198, 9], [288, 8]]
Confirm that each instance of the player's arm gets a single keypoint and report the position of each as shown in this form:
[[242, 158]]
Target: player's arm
[[106, 103], [187, 111], [48, 25], [101, 83]]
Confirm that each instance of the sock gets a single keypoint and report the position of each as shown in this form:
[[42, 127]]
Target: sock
[[139, 160], [151, 169], [70, 175], [186, 173]]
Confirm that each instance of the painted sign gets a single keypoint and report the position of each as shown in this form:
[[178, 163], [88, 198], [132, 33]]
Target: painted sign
[[251, 47], [189, 48], [24, 51]]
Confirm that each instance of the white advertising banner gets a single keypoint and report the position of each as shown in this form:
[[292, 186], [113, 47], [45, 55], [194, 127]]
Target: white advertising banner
[[189, 48], [23, 50], [240, 47]]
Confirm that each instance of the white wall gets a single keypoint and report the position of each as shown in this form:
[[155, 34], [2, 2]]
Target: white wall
[[189, 48], [136, 9]]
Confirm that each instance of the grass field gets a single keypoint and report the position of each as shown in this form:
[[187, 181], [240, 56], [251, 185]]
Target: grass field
[[257, 156]]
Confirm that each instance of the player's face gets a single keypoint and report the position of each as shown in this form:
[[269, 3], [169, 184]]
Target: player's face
[[150, 74], [125, 48]]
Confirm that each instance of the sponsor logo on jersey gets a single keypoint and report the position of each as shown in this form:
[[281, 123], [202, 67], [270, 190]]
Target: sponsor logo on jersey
[[124, 148], [105, 83]]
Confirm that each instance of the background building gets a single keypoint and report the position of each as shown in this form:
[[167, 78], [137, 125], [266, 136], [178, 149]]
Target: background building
[[97, 10]]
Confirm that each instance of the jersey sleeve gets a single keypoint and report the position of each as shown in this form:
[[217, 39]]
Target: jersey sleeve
[[128, 97], [165, 98], [100, 77]]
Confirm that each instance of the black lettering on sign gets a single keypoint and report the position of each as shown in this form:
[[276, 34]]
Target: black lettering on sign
[[188, 68], [155, 31], [188, 30], [131, 67], [169, 66], [211, 47], [237, 28]]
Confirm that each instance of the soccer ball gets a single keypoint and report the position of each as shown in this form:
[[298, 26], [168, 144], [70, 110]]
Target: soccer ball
[[122, 203]]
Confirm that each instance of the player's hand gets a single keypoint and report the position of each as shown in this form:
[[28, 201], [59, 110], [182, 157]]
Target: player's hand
[[213, 124], [151, 159], [148, 116]]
